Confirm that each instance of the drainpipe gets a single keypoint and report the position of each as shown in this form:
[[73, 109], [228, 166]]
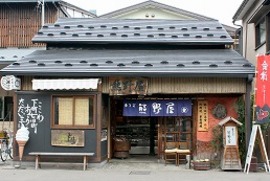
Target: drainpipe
[[248, 120], [240, 37], [43, 13]]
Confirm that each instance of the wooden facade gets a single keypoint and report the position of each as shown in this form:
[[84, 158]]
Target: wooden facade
[[19, 22], [212, 90], [173, 85]]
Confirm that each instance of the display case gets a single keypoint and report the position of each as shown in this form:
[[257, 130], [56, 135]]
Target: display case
[[138, 131]]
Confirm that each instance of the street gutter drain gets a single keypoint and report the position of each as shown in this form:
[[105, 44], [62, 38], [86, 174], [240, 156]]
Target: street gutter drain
[[140, 173]]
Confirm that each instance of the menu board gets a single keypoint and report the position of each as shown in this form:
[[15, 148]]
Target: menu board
[[202, 116]]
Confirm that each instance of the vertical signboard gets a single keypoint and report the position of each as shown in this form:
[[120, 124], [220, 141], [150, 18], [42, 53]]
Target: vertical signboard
[[202, 116], [230, 132], [262, 90]]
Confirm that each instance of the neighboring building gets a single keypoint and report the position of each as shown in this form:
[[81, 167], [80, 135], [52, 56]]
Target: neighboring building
[[155, 10], [150, 81], [19, 22], [254, 18]]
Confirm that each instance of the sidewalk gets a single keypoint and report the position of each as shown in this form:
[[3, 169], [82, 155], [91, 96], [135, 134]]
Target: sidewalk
[[119, 170]]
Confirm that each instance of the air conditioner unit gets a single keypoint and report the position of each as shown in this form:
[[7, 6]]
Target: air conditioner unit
[[10, 82]]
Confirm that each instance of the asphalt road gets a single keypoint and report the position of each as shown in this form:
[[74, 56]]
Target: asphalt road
[[119, 175], [118, 171]]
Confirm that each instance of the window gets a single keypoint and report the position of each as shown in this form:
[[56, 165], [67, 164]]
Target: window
[[73, 111], [261, 33], [6, 108]]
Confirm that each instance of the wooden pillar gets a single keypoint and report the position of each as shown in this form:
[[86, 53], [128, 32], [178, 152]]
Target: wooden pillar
[[98, 124]]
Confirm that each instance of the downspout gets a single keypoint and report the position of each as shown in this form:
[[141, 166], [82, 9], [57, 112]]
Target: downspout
[[240, 37], [43, 13], [246, 37], [248, 120]]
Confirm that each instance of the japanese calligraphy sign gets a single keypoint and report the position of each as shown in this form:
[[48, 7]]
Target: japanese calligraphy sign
[[202, 116], [30, 113], [126, 86], [230, 133], [262, 94], [136, 108], [157, 108], [163, 108]]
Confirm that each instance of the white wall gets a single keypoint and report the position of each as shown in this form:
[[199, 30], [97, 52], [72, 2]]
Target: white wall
[[249, 43], [158, 14]]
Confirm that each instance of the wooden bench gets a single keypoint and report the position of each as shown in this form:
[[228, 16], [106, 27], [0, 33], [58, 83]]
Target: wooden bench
[[39, 154]]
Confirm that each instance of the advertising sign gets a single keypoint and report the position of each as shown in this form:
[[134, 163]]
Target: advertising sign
[[262, 90]]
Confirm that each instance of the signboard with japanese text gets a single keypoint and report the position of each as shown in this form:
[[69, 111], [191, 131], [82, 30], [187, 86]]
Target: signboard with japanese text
[[136, 108], [202, 116], [262, 90], [34, 111], [157, 108], [163, 108], [67, 138], [230, 132], [30, 113], [127, 86]]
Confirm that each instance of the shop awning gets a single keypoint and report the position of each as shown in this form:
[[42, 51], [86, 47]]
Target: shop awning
[[64, 84]]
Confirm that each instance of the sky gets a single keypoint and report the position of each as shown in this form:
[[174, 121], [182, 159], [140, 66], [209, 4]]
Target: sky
[[222, 10]]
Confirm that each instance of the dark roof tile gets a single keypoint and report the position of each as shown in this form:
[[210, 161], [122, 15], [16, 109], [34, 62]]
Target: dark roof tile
[[215, 62], [128, 28]]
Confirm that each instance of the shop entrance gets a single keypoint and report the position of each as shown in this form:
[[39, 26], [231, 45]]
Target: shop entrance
[[140, 136], [139, 132]]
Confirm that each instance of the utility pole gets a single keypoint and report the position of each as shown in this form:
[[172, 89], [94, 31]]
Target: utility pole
[[43, 13]]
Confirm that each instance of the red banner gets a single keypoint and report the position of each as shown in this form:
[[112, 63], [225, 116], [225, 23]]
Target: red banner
[[262, 96]]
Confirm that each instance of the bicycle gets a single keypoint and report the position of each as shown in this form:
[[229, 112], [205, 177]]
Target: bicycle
[[6, 141]]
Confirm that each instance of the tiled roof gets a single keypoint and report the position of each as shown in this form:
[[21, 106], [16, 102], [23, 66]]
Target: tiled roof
[[100, 63], [26, 1], [9, 55], [89, 31]]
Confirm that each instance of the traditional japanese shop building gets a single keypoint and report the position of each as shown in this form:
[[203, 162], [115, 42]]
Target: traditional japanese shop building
[[147, 82]]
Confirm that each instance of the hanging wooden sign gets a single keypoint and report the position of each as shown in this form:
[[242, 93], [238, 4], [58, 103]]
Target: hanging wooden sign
[[126, 86], [67, 138], [202, 116]]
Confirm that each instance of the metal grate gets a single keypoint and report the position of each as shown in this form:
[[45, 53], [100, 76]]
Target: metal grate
[[140, 173]]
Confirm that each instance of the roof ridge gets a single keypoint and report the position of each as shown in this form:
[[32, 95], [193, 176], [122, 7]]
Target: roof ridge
[[155, 3]]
